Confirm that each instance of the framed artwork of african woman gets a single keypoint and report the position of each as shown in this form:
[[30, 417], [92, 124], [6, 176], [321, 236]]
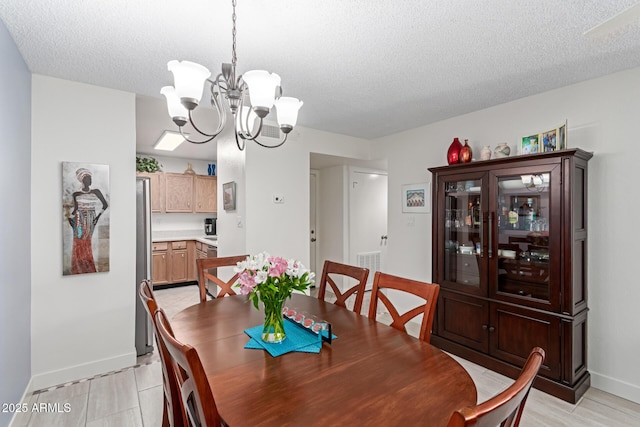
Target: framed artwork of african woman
[[85, 218]]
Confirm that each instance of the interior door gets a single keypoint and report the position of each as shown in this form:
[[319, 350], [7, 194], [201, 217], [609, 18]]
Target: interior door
[[368, 220]]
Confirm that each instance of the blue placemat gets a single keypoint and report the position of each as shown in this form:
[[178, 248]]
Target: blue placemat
[[298, 339]]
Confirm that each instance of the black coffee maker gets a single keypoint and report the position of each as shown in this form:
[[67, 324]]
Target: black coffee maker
[[210, 226]]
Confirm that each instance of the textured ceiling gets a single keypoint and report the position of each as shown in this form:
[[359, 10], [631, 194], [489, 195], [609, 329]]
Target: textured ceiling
[[363, 68]]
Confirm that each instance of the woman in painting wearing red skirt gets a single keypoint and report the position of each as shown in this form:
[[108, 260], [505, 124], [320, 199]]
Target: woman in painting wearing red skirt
[[83, 221]]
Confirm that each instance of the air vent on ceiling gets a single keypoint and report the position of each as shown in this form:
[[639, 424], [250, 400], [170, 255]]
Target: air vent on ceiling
[[270, 131]]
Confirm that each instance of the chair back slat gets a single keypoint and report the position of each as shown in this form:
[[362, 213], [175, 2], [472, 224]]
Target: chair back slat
[[427, 291], [172, 413], [196, 395], [505, 408], [207, 270], [332, 270]]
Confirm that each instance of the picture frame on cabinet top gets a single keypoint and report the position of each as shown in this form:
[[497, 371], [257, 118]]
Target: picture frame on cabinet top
[[530, 144], [549, 141], [562, 137], [554, 139]]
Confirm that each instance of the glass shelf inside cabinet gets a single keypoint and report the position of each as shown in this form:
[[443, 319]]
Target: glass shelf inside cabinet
[[463, 232], [462, 187]]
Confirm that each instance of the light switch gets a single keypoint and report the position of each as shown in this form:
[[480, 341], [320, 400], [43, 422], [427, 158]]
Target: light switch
[[239, 222]]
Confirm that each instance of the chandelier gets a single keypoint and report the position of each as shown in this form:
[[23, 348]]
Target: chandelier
[[250, 98]]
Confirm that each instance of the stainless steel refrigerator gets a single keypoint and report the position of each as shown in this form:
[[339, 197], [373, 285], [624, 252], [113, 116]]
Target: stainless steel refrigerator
[[144, 327]]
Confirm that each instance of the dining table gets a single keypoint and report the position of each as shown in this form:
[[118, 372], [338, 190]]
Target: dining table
[[370, 374]]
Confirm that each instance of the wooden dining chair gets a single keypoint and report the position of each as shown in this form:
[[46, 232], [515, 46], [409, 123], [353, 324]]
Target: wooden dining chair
[[196, 395], [172, 414], [505, 408], [334, 270], [207, 270], [427, 291]]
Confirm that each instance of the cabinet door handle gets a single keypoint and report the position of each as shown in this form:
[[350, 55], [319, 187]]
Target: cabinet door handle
[[485, 327], [466, 264], [491, 329]]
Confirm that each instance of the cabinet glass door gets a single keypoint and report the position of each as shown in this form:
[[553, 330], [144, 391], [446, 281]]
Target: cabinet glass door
[[526, 216], [464, 241]]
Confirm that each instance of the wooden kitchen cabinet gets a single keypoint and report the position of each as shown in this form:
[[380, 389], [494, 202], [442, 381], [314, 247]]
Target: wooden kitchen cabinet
[[182, 193], [509, 252], [178, 192], [173, 262], [179, 260], [206, 194], [159, 257], [201, 250], [157, 190], [192, 272]]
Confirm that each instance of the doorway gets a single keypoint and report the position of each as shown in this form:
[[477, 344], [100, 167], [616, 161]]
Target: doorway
[[368, 220], [335, 239]]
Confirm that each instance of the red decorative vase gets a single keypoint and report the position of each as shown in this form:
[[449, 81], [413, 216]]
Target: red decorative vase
[[453, 154], [465, 152]]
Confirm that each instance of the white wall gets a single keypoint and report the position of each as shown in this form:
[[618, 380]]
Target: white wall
[[15, 216], [602, 117], [283, 229], [231, 168], [82, 324], [332, 215]]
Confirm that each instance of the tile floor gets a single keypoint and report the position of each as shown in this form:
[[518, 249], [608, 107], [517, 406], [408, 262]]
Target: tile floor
[[133, 396]]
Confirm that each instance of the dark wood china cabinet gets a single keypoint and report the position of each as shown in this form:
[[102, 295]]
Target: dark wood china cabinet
[[510, 255]]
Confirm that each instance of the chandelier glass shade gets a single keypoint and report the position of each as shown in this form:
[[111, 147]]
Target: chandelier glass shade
[[250, 97]]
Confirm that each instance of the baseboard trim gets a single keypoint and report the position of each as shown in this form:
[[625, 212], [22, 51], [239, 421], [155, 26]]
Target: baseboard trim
[[90, 369], [26, 397], [615, 386]]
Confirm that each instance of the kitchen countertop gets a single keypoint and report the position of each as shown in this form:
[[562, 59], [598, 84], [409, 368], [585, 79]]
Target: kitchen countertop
[[173, 235]]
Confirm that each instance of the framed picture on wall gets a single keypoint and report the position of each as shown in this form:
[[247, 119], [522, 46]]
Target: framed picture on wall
[[416, 198], [229, 196], [85, 222]]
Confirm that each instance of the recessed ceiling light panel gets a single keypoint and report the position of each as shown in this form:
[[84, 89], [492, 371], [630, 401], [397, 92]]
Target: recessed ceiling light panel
[[169, 141]]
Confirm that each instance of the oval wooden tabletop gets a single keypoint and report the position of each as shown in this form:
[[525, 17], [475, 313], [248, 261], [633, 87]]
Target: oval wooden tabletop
[[371, 374]]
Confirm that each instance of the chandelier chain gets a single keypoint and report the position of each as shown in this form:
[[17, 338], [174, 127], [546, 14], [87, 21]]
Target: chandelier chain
[[233, 33]]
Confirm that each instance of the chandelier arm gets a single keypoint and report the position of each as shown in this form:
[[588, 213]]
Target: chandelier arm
[[237, 127], [186, 137], [255, 139], [222, 116], [245, 133], [240, 146], [216, 101], [246, 137]]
